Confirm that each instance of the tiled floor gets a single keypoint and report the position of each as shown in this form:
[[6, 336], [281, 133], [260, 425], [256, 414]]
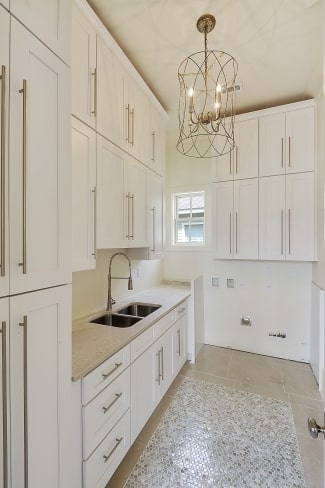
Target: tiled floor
[[276, 378]]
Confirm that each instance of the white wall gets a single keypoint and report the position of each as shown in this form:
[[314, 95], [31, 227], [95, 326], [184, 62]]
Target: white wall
[[277, 295]]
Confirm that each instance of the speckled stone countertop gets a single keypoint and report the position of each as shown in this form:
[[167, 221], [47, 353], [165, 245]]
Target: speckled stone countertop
[[94, 343]]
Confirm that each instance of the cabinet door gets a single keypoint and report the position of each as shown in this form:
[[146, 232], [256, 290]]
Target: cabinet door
[[136, 186], [142, 391], [156, 223], [179, 344], [139, 122], [110, 226], [40, 370], [272, 145], [300, 132], [222, 167], [272, 218], [224, 219], [5, 3], [40, 155], [4, 393], [245, 154], [83, 67], [4, 99], [246, 219], [111, 105], [163, 364], [157, 145], [49, 20], [83, 196], [300, 221]]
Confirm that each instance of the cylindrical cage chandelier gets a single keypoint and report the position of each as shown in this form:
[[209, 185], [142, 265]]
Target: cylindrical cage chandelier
[[207, 100]]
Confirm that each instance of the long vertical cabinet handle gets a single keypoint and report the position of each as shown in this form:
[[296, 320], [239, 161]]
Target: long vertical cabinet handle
[[132, 215], [127, 138], [153, 229], [282, 232], [289, 224], [158, 363], [132, 127], [282, 149], [24, 325], [94, 191], [236, 236], [153, 146], [236, 160], [94, 74], [4, 404], [127, 196], [3, 174], [24, 93], [162, 363], [230, 249], [289, 151], [179, 342]]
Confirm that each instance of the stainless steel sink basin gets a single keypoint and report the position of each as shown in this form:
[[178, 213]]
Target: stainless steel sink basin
[[115, 320], [139, 309]]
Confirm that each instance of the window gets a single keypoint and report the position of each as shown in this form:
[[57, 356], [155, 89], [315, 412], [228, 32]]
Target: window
[[189, 218]]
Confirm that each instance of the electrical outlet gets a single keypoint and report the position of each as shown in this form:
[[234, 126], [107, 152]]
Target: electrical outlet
[[215, 281], [230, 283]]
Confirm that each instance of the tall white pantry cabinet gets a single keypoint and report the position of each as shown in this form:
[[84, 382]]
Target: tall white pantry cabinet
[[35, 244]]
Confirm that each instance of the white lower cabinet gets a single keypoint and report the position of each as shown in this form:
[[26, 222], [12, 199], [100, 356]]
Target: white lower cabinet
[[40, 385], [119, 396]]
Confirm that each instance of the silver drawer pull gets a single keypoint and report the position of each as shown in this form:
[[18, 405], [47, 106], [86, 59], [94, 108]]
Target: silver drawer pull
[[106, 375], [107, 456], [117, 396]]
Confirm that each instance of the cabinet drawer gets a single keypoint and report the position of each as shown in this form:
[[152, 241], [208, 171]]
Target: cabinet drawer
[[102, 413], [99, 468], [163, 324], [141, 343], [180, 310], [104, 374]]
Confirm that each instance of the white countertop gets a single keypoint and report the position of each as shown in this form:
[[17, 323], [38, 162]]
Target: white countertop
[[93, 343]]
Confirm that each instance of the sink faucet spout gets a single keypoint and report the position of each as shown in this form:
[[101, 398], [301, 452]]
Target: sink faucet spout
[[110, 301]]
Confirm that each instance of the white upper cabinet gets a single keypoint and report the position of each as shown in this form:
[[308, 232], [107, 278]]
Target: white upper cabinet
[[223, 219], [236, 219], [246, 219], [83, 67], [287, 142], [138, 121], [157, 142], [4, 107], [110, 226], [40, 169], [272, 215], [300, 133], [83, 196], [242, 161], [49, 20], [111, 108], [300, 218], [136, 208]]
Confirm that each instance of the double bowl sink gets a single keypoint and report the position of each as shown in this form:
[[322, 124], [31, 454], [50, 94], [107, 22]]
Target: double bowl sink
[[126, 316]]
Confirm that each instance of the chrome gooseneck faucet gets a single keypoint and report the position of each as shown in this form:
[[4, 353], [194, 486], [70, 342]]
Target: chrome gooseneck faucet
[[110, 301]]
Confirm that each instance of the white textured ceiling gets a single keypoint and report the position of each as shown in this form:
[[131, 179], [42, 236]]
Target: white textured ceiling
[[277, 43]]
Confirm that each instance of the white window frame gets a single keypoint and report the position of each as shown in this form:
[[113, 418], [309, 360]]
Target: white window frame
[[176, 220]]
